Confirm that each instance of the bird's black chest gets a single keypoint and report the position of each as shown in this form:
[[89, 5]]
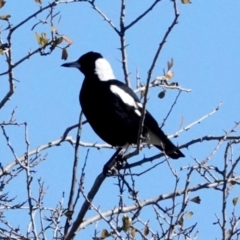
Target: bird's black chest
[[107, 114], [94, 99]]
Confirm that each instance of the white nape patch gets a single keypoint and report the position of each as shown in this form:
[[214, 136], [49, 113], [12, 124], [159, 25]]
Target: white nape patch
[[126, 98], [103, 70]]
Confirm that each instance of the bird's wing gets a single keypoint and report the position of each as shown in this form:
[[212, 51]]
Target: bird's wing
[[154, 134], [126, 95], [132, 103]]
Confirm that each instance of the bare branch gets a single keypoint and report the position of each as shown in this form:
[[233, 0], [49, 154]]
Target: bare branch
[[74, 176], [123, 43], [103, 15], [154, 201], [150, 74], [142, 15], [75, 227]]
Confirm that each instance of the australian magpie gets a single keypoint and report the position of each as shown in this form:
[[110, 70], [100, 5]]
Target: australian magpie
[[112, 108]]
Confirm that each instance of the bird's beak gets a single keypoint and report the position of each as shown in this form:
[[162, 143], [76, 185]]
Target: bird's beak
[[74, 64]]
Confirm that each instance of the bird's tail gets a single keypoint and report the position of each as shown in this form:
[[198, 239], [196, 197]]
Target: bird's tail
[[162, 142], [171, 150]]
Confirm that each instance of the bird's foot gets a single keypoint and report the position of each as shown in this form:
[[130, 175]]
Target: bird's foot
[[112, 167]]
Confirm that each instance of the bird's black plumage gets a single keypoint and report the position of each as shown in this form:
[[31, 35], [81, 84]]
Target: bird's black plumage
[[112, 108]]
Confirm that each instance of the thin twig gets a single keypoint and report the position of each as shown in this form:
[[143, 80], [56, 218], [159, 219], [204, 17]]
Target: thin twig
[[142, 15], [104, 16], [141, 123], [74, 176], [154, 201], [170, 110], [97, 184], [29, 178], [123, 43]]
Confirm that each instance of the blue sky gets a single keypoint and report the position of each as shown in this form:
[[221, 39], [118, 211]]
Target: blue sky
[[205, 48]]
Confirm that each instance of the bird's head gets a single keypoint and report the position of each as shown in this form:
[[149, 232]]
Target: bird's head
[[93, 63]]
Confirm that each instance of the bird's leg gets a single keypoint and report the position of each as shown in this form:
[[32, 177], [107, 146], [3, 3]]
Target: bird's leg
[[121, 158], [128, 148], [117, 161], [110, 167]]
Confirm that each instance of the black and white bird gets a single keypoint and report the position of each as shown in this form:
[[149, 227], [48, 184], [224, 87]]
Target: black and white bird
[[112, 108]]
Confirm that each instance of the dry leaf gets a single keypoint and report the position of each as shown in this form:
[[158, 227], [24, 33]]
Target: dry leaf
[[53, 29], [196, 200], [4, 46], [38, 1], [142, 93], [235, 201], [5, 17], [168, 75], [68, 40], [170, 64], [127, 222], [161, 94], [57, 41], [2, 2], [228, 233], [64, 54], [42, 40], [133, 232], [104, 233], [146, 230], [186, 1], [37, 37], [189, 214], [68, 213], [181, 221]]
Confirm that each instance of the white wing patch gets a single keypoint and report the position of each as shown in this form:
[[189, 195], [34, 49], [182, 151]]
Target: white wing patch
[[126, 98], [103, 70], [139, 104], [137, 112]]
